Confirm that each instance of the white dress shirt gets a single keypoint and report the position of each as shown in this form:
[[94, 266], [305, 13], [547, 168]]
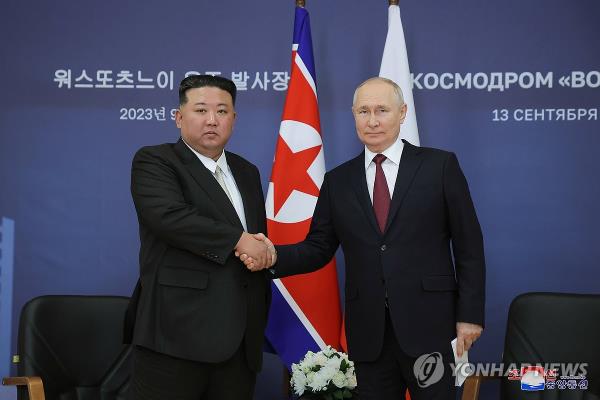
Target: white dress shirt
[[390, 166], [236, 197]]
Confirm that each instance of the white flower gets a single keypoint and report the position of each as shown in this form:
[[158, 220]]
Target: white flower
[[308, 359], [321, 373], [333, 362], [339, 379], [320, 359], [351, 384], [328, 351], [327, 373], [299, 382], [318, 382]]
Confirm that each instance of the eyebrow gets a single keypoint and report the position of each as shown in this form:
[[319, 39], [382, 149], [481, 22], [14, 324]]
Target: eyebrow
[[375, 106], [200, 103]]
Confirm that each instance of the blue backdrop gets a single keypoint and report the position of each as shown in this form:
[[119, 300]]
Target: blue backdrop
[[512, 87]]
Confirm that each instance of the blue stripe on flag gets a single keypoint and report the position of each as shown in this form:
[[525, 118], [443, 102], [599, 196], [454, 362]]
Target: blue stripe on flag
[[303, 39], [292, 346]]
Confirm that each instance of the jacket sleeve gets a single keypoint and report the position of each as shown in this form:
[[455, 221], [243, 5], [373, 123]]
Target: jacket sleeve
[[467, 244], [162, 209], [319, 246]]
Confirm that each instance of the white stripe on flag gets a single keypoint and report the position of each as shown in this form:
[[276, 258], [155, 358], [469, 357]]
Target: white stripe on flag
[[306, 74], [294, 306]]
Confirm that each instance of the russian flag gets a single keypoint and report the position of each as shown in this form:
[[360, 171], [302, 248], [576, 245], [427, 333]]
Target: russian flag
[[305, 310]]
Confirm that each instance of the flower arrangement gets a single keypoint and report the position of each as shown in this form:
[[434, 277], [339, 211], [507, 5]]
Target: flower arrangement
[[327, 374]]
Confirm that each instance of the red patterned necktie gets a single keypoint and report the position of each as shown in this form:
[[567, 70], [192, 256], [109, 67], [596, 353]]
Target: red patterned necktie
[[381, 193]]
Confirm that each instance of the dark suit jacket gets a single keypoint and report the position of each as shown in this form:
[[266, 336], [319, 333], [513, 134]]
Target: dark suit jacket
[[429, 260], [197, 300]]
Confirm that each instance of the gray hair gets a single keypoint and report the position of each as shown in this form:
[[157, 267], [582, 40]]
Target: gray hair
[[397, 90]]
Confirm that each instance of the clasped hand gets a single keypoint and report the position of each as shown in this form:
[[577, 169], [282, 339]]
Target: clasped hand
[[256, 251]]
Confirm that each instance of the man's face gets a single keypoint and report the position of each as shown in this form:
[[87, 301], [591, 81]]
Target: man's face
[[206, 120], [378, 115]]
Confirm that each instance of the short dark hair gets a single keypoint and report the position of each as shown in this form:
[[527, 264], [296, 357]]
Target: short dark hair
[[198, 81]]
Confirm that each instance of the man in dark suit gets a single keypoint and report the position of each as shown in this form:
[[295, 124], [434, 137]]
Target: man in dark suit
[[413, 248], [200, 314]]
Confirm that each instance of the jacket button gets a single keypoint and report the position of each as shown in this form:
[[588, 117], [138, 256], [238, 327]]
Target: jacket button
[[383, 247]]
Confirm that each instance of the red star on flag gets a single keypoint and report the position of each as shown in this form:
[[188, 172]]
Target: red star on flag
[[290, 172]]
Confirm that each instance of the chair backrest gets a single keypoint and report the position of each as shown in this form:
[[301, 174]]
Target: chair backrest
[[74, 343], [547, 328]]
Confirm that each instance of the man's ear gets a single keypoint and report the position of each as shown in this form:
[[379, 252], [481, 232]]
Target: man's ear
[[178, 117], [403, 110]]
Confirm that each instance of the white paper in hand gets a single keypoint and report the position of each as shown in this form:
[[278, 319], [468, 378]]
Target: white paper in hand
[[461, 368]]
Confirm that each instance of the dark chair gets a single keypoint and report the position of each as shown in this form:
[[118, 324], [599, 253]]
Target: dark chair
[[547, 328], [75, 345]]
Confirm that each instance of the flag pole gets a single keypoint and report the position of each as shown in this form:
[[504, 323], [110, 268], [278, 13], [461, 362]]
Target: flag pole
[[286, 387]]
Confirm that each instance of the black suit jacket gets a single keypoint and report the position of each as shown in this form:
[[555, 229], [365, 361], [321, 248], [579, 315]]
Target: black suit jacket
[[197, 300], [429, 260]]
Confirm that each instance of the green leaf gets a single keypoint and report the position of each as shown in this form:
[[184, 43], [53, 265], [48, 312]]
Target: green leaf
[[338, 395], [347, 394]]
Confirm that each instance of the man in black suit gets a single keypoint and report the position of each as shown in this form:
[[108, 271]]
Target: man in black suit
[[415, 269], [200, 314]]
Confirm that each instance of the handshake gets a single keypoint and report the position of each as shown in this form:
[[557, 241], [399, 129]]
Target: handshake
[[256, 251]]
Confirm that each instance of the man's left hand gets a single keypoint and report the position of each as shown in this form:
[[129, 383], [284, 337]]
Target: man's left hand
[[466, 335]]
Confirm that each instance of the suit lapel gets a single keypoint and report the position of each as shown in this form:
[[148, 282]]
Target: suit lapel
[[362, 191], [207, 182], [246, 188], [409, 165]]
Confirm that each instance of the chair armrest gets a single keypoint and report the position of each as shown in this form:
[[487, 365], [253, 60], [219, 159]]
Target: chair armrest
[[35, 388], [473, 384]]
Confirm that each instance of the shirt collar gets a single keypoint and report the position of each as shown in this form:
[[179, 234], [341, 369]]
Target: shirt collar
[[209, 163], [392, 153]]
